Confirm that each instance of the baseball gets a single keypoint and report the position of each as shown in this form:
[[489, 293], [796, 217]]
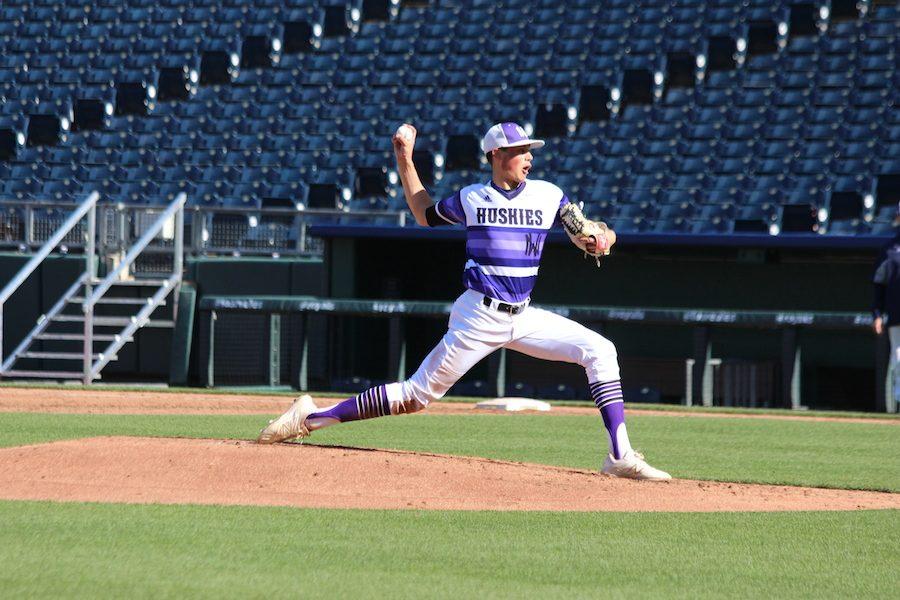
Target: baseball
[[405, 131]]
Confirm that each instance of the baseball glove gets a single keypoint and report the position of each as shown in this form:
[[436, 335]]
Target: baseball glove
[[582, 231]]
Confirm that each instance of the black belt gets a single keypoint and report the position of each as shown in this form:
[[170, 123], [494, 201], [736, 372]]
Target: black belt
[[512, 309]]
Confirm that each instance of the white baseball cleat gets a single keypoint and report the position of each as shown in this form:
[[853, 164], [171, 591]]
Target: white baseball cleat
[[289, 425], [632, 466]]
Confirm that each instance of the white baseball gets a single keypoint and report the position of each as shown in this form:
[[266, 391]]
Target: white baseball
[[405, 131]]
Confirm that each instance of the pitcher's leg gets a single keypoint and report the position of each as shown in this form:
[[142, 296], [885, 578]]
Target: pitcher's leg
[[553, 337], [370, 404], [608, 398], [473, 333], [453, 356]]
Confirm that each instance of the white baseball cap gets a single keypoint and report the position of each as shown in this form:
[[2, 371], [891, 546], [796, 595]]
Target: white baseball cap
[[507, 135]]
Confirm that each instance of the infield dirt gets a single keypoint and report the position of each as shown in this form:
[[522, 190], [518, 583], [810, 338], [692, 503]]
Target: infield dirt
[[195, 471], [240, 472]]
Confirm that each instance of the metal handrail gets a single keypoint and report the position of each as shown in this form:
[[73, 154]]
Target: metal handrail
[[48, 246], [138, 321], [224, 209], [45, 320], [210, 233], [88, 205]]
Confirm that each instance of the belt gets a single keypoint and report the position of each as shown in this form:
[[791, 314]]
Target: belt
[[512, 309]]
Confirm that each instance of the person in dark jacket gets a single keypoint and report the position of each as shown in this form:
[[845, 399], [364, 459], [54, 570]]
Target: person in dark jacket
[[886, 310]]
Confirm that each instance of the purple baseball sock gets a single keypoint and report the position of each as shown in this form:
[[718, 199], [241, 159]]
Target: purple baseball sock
[[608, 397], [368, 405]]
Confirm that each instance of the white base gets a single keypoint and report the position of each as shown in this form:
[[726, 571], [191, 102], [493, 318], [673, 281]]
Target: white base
[[514, 404]]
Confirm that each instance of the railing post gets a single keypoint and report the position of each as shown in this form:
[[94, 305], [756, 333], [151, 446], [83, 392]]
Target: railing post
[[178, 264], [303, 371], [790, 369], [90, 269], [701, 359], [211, 358], [178, 260], [29, 226], [207, 230]]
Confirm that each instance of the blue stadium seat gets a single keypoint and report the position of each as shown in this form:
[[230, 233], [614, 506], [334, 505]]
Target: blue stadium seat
[[823, 107]]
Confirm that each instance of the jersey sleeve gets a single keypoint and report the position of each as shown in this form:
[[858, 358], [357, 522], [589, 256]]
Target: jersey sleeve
[[450, 209], [562, 202]]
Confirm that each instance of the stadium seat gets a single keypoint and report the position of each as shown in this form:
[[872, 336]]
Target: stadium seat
[[821, 106]]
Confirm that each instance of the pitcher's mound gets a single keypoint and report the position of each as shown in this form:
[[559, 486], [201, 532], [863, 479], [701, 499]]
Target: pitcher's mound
[[174, 471]]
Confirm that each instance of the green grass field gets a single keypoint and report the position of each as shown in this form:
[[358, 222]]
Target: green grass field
[[90, 550], [814, 453], [79, 550]]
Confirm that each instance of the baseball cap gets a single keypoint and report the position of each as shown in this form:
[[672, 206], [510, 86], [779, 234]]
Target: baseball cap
[[507, 135]]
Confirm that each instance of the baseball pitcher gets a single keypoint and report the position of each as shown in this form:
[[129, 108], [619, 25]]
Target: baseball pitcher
[[507, 220]]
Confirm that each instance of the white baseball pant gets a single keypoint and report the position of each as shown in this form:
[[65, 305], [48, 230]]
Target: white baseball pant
[[477, 330]]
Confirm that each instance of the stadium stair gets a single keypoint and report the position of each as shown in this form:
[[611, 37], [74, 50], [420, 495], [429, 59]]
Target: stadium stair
[[85, 329]]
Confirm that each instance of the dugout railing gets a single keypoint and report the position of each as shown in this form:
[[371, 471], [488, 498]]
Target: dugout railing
[[264, 318], [209, 230]]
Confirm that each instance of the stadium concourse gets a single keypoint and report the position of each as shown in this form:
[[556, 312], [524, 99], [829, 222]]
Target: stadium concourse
[[684, 116]]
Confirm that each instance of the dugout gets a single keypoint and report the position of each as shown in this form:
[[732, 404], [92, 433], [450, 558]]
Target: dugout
[[805, 275]]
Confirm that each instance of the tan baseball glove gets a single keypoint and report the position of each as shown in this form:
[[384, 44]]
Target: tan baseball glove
[[593, 238]]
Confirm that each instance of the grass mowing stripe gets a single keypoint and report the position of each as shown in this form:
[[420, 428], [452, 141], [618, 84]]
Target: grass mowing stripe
[[822, 454], [17, 429], [82, 550], [286, 392], [818, 454]]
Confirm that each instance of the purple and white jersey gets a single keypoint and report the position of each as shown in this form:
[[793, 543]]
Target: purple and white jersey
[[505, 233]]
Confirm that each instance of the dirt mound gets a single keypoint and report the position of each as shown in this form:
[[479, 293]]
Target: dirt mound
[[176, 471]]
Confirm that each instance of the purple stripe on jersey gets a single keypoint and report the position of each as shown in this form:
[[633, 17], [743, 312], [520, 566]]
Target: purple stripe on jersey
[[506, 262], [509, 194], [451, 208], [477, 254], [500, 287], [486, 231], [511, 131], [516, 242]]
